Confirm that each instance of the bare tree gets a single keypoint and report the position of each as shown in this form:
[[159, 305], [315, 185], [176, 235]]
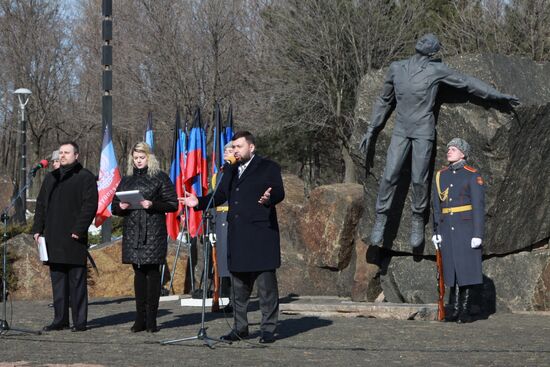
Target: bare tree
[[167, 54], [529, 28], [315, 53], [37, 55]]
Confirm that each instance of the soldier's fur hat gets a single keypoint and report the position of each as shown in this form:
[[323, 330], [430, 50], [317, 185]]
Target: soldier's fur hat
[[461, 145]]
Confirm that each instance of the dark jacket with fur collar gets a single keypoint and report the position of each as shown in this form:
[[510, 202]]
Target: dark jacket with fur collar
[[66, 204]]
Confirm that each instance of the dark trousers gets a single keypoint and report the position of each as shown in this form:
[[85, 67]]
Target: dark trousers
[[268, 293], [69, 281], [147, 291], [397, 153]]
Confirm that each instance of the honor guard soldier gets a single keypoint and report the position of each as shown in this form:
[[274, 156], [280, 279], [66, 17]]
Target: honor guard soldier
[[459, 209]]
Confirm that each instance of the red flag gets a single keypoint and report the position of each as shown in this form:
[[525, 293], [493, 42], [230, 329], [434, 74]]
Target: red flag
[[176, 175], [109, 178], [196, 172]]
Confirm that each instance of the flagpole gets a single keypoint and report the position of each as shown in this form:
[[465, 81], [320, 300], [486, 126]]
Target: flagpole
[[190, 248], [107, 98]]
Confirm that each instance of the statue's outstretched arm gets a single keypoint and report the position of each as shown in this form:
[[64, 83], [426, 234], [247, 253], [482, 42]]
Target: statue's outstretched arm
[[475, 86]]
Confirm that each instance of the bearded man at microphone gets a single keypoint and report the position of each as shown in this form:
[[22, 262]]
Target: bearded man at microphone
[[65, 208], [252, 188]]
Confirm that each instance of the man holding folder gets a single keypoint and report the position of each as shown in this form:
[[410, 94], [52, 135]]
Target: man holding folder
[[65, 208]]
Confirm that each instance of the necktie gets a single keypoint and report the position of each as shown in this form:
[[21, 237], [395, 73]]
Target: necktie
[[241, 169]]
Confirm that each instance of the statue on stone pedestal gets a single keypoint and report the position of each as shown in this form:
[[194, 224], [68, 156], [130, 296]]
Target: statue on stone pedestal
[[411, 88]]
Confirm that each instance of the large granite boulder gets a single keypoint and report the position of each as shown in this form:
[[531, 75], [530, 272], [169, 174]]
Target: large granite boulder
[[114, 279], [521, 281], [328, 225], [409, 279], [6, 190], [366, 279], [317, 239], [33, 277], [517, 282], [507, 149], [366, 285]]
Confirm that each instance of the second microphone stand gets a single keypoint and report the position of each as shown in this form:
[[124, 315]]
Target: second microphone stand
[[4, 326], [207, 220]]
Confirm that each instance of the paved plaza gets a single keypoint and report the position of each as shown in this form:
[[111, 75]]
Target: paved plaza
[[504, 339]]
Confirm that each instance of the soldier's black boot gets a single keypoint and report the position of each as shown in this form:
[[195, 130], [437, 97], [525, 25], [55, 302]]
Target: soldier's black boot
[[377, 234], [466, 296], [417, 230], [454, 301]]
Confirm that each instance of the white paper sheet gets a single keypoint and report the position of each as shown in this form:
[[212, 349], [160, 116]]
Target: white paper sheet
[[42, 250], [132, 197]]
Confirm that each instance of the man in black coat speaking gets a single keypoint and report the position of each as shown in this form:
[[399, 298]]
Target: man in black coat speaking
[[252, 189], [65, 208]]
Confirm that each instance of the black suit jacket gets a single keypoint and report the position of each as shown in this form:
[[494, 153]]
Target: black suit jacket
[[66, 204], [253, 231]]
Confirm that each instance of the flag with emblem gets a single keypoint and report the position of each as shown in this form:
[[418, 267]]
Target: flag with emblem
[[109, 178]]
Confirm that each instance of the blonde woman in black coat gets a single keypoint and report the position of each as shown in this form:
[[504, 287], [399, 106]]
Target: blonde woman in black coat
[[144, 242]]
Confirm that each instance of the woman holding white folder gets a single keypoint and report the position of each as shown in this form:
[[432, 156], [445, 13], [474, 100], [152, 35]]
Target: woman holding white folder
[[144, 242]]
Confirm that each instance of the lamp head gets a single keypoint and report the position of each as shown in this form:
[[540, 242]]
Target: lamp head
[[23, 94]]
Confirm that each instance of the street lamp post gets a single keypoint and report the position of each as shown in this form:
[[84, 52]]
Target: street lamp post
[[23, 94]]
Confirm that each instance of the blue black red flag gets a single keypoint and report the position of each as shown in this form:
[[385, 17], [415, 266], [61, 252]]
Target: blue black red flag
[[149, 137], [229, 125], [218, 144], [196, 173], [176, 175]]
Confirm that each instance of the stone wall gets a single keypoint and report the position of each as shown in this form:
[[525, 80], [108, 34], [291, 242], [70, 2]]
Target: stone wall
[[114, 280]]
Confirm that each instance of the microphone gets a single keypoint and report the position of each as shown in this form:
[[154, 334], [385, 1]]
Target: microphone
[[43, 164], [229, 162]]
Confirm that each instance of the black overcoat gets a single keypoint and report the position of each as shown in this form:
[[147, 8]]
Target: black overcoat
[[461, 263], [66, 204], [253, 230], [144, 231]]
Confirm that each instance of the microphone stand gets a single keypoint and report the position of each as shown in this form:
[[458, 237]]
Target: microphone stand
[[182, 239], [4, 217], [207, 219]]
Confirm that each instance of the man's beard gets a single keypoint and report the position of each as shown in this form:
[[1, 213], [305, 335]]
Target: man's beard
[[245, 159]]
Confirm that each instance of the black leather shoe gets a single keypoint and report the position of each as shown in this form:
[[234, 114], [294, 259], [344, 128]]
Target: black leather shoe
[[234, 335], [267, 338], [55, 327], [75, 329], [153, 329]]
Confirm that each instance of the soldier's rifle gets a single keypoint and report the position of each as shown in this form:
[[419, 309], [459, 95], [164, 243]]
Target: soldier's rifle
[[440, 285]]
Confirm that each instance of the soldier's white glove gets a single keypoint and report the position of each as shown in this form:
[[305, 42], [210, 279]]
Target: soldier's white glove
[[436, 240], [476, 242]]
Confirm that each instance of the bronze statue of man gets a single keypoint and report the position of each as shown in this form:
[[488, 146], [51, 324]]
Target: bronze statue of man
[[411, 87]]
